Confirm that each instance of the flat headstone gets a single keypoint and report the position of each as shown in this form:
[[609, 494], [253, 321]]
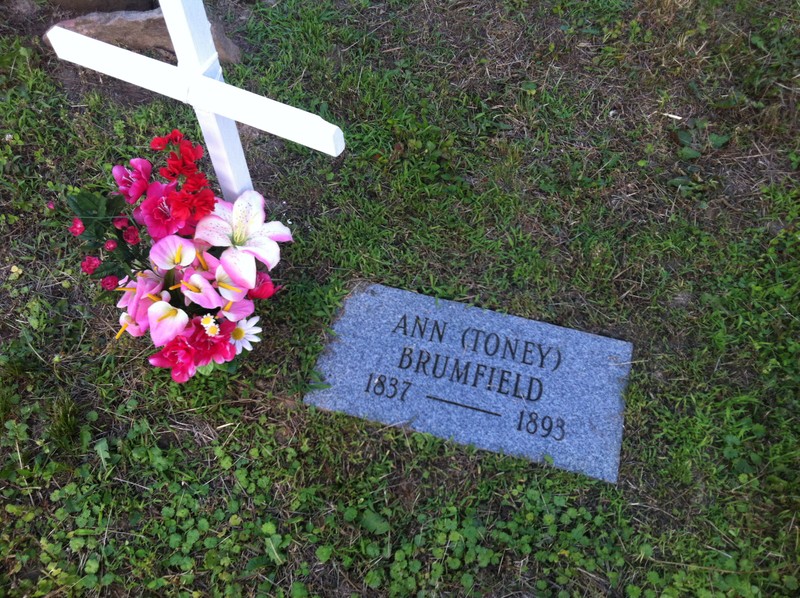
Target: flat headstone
[[498, 382]]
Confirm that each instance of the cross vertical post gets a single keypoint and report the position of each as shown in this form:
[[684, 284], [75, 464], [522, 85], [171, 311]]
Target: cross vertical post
[[190, 32]]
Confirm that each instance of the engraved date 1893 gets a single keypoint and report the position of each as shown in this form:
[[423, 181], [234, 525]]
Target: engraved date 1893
[[530, 422], [387, 386]]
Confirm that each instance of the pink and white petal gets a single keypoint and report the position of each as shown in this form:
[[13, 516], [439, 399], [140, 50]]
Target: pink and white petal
[[131, 326], [224, 209], [248, 214], [166, 322], [127, 296], [207, 297], [188, 252], [164, 253], [239, 310], [264, 249], [229, 295], [211, 264], [240, 266], [277, 231], [214, 230]]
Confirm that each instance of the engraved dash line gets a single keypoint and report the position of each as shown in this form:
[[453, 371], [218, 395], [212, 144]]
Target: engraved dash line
[[462, 405]]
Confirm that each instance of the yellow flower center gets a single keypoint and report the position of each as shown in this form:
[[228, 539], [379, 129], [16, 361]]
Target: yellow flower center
[[225, 285], [190, 286], [170, 314], [121, 330], [237, 334]]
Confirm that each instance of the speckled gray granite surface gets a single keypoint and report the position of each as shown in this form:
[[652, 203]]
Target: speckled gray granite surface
[[498, 382]]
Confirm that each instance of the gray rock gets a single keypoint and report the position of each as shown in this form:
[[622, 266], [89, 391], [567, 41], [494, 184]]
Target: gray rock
[[498, 382], [141, 31]]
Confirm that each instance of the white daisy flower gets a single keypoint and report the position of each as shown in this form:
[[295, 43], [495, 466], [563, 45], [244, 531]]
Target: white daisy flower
[[244, 334]]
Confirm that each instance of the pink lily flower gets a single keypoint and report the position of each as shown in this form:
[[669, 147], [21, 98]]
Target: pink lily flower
[[241, 228], [227, 287], [204, 263], [172, 252], [166, 321], [133, 183], [139, 294], [236, 310], [198, 290], [130, 325]]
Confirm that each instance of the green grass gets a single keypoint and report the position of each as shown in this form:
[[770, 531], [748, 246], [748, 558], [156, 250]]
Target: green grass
[[624, 168]]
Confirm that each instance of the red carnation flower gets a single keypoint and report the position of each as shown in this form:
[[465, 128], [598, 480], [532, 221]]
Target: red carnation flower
[[110, 245], [131, 235], [121, 222], [161, 143], [195, 182], [90, 264], [203, 204], [77, 227], [175, 137], [179, 205], [110, 282]]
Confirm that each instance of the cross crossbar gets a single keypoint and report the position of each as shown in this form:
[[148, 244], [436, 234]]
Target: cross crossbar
[[197, 80]]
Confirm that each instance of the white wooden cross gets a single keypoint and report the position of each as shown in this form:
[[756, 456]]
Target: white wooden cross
[[197, 80]]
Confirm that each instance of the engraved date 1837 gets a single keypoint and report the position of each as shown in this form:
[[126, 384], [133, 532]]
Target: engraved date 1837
[[387, 386]]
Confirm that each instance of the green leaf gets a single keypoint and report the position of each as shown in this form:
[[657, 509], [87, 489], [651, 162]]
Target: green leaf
[[273, 543], [350, 514], [374, 522], [718, 141], [257, 563], [324, 553], [299, 590], [688, 153], [101, 448], [373, 579], [680, 181], [92, 566], [684, 137], [758, 42], [205, 370], [192, 536]]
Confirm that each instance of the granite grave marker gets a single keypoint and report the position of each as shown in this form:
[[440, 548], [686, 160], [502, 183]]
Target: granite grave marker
[[498, 382]]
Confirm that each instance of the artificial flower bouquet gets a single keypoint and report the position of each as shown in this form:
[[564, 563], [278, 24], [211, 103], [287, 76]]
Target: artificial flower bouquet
[[183, 260]]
